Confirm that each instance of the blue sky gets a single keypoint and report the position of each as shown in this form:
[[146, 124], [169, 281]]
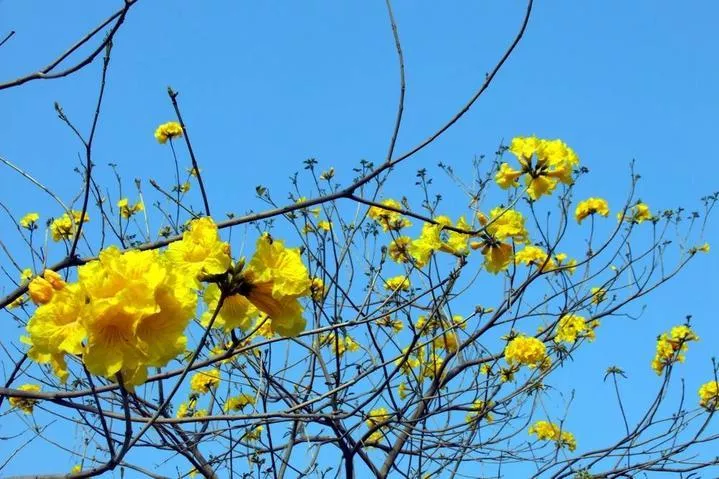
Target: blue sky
[[265, 85]]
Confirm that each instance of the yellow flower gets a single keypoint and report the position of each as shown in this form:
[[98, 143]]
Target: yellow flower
[[201, 382], [571, 327], [388, 322], [29, 221], [324, 225], [412, 362], [18, 302], [339, 345], [200, 251], [485, 369], [431, 365], [527, 351], [184, 187], [377, 416], [506, 224], [709, 396], [57, 328], [25, 276], [591, 206], [238, 403], [42, 288], [25, 404], [76, 468], [497, 257], [388, 219], [554, 162], [547, 431], [403, 390], [430, 240], [317, 289], [274, 281], [533, 255], [138, 309], [168, 131], [507, 176], [637, 214], [704, 248], [187, 409], [254, 434], [478, 411], [670, 347], [598, 294], [397, 283], [447, 341], [127, 210], [236, 311], [507, 374], [399, 249], [62, 227]]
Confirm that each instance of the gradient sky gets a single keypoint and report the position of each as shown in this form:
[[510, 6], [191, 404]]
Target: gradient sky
[[265, 85]]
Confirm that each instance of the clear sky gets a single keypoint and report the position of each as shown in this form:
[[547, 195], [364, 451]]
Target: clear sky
[[265, 85]]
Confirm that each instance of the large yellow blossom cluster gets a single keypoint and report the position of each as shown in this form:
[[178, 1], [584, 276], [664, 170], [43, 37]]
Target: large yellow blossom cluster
[[128, 311], [670, 347], [709, 396], [543, 163], [548, 431], [526, 351]]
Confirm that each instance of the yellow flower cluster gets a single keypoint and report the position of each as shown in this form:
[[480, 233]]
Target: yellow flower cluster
[[168, 131], [598, 294], [536, 256], [431, 240], [591, 206], [388, 219], [411, 362], [42, 288], [128, 310], [65, 227], [374, 419], [238, 403], [189, 409], [29, 221], [503, 225], [397, 283], [479, 410], [25, 404], [526, 350], [339, 345], [709, 396], [543, 163], [571, 327], [670, 347], [274, 281], [318, 291], [548, 431], [127, 210], [387, 322], [637, 214], [203, 381], [253, 434]]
